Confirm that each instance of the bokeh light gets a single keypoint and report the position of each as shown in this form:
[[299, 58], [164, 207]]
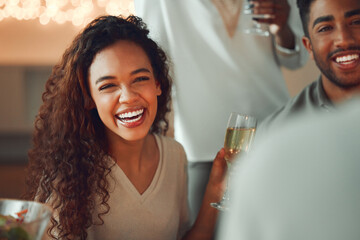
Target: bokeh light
[[78, 12]]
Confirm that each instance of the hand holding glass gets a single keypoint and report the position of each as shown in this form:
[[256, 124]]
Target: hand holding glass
[[240, 133]]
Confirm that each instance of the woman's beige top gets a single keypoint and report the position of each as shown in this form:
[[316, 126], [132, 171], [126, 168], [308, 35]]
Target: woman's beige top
[[161, 212]]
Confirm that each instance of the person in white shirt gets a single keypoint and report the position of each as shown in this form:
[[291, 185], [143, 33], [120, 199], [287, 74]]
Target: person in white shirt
[[218, 69]]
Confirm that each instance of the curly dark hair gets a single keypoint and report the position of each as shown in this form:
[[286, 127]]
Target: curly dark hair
[[68, 163]]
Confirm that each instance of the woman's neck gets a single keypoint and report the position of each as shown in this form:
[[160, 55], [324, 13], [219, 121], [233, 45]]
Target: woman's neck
[[138, 160], [128, 152]]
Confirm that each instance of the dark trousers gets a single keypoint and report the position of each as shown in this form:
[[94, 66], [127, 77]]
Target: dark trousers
[[198, 176]]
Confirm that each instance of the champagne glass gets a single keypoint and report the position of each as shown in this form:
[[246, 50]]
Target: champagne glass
[[239, 136], [251, 25]]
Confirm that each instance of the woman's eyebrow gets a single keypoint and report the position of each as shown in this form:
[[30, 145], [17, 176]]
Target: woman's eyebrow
[[140, 70], [103, 78]]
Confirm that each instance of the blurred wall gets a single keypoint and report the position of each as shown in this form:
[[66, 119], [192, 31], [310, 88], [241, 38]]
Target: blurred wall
[[298, 79], [30, 43]]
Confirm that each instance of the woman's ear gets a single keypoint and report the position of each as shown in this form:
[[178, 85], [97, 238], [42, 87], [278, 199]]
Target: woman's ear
[[158, 88]]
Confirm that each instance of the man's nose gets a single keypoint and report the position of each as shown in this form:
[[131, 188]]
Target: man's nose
[[345, 38]]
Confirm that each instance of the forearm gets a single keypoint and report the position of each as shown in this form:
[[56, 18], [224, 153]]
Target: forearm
[[285, 38], [204, 226]]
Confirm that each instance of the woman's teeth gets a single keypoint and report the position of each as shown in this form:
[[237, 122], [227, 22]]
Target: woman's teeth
[[130, 120], [129, 117]]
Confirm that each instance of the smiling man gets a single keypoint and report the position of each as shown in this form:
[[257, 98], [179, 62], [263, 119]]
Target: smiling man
[[333, 41], [332, 38]]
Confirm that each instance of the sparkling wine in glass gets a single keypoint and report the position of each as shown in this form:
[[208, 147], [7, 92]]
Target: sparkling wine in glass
[[239, 136], [237, 140], [251, 25]]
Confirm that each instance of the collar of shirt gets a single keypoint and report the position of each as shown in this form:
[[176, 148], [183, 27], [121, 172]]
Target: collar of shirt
[[324, 101]]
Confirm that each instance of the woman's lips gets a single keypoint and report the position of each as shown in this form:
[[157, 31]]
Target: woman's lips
[[132, 118]]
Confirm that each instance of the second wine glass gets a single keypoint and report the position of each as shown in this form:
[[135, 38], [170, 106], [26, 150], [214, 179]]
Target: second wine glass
[[239, 136], [252, 26]]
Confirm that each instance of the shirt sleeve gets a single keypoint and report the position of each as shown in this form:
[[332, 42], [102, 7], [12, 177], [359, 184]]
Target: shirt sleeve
[[151, 11], [293, 58]]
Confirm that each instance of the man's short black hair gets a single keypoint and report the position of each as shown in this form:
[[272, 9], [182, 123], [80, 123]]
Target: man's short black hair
[[304, 11]]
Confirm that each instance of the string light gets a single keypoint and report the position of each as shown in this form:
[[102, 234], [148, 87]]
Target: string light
[[78, 12]]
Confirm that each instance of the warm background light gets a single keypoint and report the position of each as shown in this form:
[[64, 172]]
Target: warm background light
[[78, 12]]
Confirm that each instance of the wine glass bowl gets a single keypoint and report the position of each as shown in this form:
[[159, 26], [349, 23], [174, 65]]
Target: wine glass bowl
[[250, 19]]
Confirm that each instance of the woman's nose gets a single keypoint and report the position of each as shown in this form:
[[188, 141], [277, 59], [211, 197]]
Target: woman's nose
[[127, 95]]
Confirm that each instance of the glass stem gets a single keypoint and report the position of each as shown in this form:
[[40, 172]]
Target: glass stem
[[226, 196]]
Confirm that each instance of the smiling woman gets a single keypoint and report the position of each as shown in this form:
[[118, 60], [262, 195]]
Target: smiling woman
[[124, 89], [99, 153]]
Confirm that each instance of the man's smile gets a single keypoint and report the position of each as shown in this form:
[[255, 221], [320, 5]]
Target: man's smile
[[347, 59]]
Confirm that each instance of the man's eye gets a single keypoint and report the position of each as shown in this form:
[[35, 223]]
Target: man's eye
[[106, 86], [356, 21], [324, 29]]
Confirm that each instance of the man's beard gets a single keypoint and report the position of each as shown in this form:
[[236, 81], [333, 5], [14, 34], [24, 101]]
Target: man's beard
[[326, 70]]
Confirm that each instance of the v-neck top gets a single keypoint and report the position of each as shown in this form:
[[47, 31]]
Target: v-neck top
[[160, 212]]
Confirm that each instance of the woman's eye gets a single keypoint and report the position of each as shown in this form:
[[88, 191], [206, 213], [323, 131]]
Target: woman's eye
[[141, 79], [106, 86]]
